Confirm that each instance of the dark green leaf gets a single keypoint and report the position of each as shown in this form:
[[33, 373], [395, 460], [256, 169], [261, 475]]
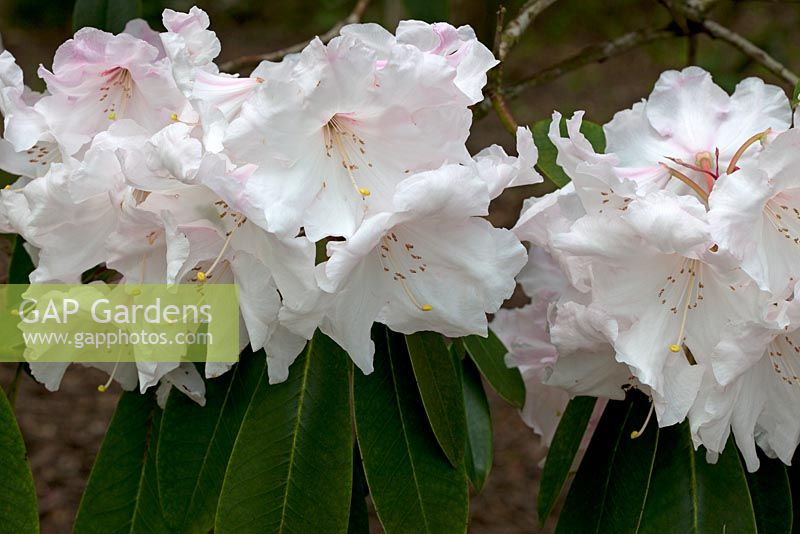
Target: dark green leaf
[[489, 354], [108, 15], [771, 496], [122, 492], [17, 494], [21, 266], [195, 444], [561, 456], [359, 515], [427, 10], [292, 464], [611, 485], [548, 153], [413, 486], [478, 458], [687, 494], [440, 388]]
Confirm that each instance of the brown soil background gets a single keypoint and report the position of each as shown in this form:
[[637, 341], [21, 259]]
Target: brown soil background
[[63, 430]]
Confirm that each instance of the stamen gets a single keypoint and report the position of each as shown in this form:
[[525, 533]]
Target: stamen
[[335, 132], [688, 181], [637, 433], [174, 117], [753, 139], [203, 275], [112, 116], [102, 388], [385, 251]]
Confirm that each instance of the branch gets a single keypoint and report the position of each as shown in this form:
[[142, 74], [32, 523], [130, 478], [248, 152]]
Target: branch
[[240, 63], [750, 50], [519, 24], [597, 53]]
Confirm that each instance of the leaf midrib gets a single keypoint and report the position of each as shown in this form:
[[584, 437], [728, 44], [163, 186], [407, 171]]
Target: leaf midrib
[[295, 432], [405, 435]]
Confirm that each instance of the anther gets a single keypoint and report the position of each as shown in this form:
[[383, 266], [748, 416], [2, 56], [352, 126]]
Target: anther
[[174, 117], [112, 116], [364, 192], [201, 276], [674, 348], [426, 307]]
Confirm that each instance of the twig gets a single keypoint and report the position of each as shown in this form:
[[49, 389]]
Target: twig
[[13, 388], [494, 93], [240, 63], [597, 53], [512, 33], [749, 49]]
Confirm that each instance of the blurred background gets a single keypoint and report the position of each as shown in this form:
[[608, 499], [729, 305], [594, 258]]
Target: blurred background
[[63, 431]]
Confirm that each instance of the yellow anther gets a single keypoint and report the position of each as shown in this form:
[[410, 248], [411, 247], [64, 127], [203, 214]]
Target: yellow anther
[[634, 434], [674, 348], [112, 116], [174, 117], [101, 388], [364, 192], [201, 276], [7, 186], [136, 292], [426, 307]]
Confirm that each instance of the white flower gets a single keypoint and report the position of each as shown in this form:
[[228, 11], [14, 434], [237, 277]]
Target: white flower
[[334, 137], [755, 214], [431, 264], [688, 126]]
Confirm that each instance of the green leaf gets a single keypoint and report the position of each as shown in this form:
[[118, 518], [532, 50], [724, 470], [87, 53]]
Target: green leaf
[[17, 493], [687, 494], [21, 265], [771, 496], [122, 492], [427, 10], [358, 523], [561, 456], [440, 388], [413, 486], [292, 463], [478, 458], [195, 444], [613, 480], [489, 354], [548, 153], [108, 15]]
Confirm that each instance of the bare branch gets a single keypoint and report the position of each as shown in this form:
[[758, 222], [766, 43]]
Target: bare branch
[[597, 53], [519, 24], [252, 60], [749, 49]]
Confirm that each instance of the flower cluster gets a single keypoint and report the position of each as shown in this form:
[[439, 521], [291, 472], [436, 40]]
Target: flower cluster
[[145, 159], [670, 264]]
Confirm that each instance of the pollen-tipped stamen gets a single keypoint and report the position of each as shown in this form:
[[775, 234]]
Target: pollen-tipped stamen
[[202, 276], [752, 140], [637, 433], [102, 388]]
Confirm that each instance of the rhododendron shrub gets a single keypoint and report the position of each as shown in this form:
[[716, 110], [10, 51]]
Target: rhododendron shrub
[[334, 187]]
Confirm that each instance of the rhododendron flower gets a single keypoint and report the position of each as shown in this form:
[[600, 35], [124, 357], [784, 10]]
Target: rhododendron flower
[[431, 264], [98, 78], [334, 138], [755, 214], [688, 128]]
